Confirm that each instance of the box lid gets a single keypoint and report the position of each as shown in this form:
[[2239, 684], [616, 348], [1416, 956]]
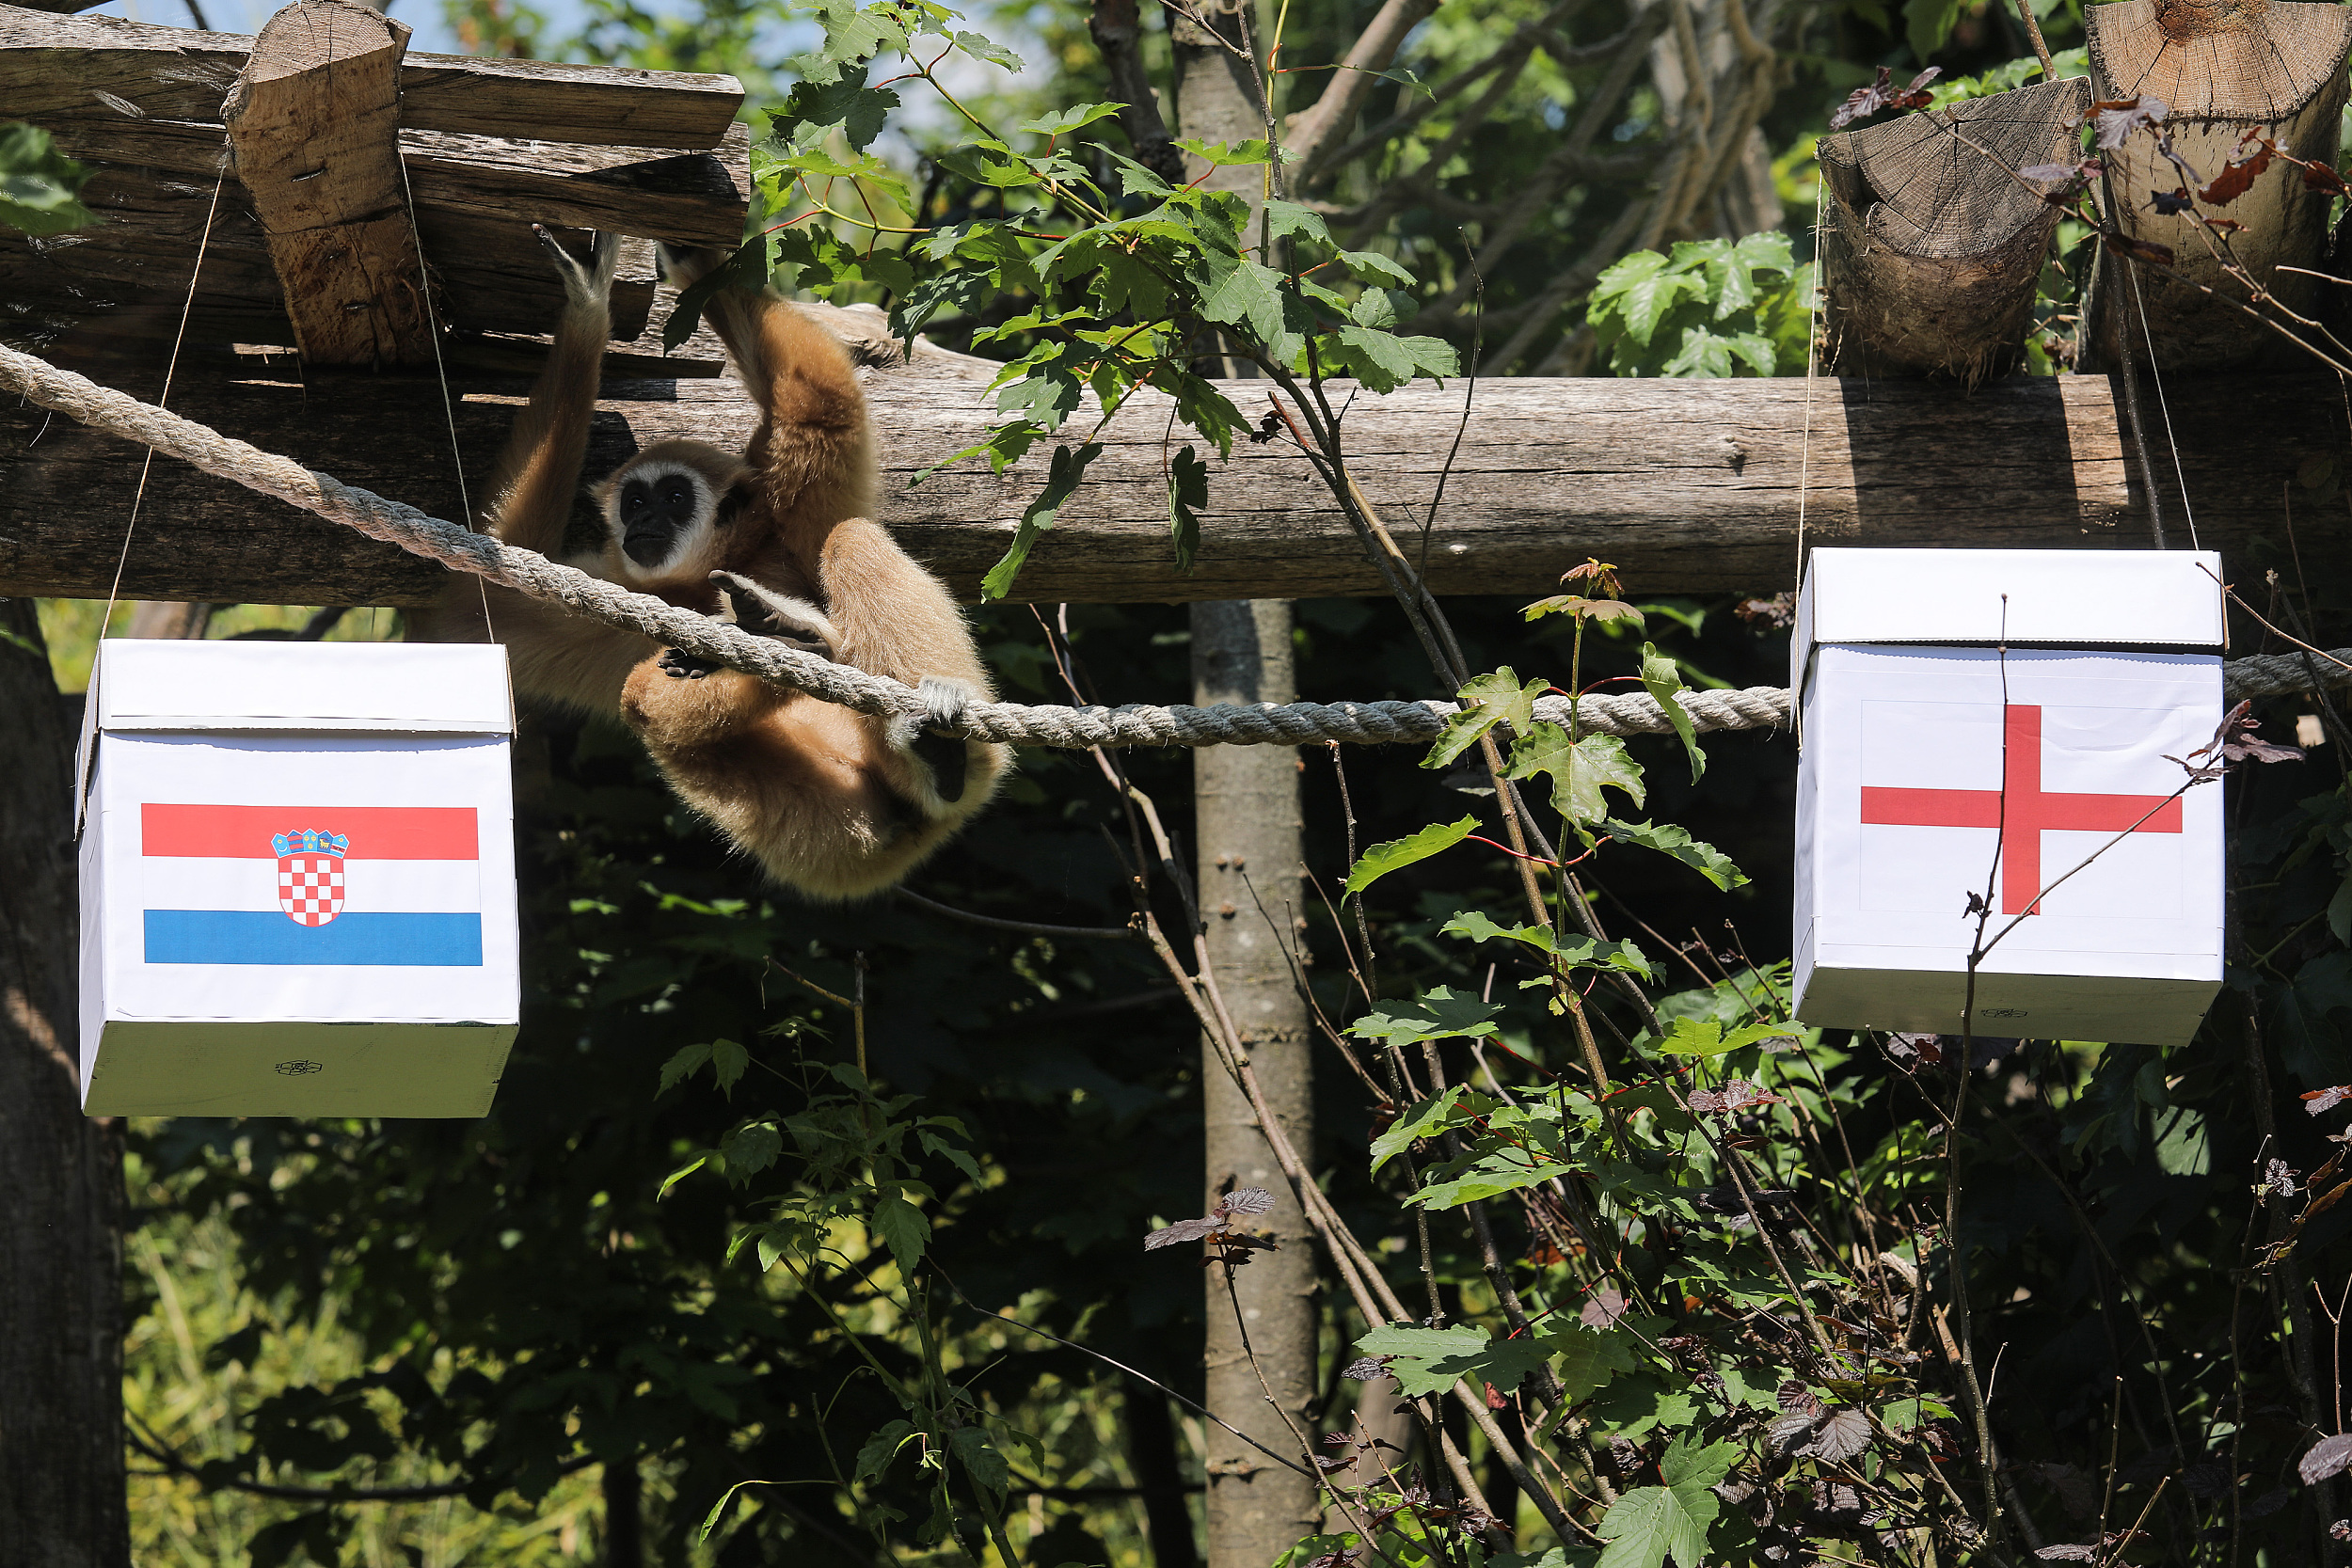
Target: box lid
[[290, 688], [2169, 599]]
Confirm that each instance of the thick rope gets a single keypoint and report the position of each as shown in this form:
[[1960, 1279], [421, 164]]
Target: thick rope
[[1137, 724]]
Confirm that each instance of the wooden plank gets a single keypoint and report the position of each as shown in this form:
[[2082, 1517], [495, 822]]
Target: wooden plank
[[1689, 485], [52, 66], [315, 120], [692, 198], [126, 279]]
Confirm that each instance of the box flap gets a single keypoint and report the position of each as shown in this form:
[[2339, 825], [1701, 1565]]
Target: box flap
[[298, 688], [2053, 598]]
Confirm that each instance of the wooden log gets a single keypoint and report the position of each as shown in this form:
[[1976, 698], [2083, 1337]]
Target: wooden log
[[1932, 250], [691, 198], [315, 120], [2222, 67], [57, 66], [1689, 485], [127, 278]]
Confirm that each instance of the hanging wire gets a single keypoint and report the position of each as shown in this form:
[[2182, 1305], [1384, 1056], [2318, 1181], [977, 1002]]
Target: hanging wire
[[188, 307]]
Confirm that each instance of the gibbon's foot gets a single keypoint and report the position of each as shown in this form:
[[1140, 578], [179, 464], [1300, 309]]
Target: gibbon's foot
[[586, 282], [678, 664], [764, 612], [946, 756]]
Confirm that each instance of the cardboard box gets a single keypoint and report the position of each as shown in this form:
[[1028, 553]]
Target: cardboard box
[[298, 879], [1934, 765]]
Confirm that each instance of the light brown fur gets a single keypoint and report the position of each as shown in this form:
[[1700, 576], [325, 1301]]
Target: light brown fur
[[831, 802]]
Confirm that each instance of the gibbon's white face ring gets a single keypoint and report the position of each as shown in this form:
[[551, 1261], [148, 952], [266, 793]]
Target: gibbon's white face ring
[[662, 516]]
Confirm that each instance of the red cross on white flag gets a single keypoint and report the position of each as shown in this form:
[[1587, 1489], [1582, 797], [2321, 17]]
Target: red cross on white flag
[[2021, 811]]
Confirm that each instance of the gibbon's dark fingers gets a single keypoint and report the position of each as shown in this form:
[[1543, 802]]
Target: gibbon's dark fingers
[[946, 754], [589, 282], [764, 612]]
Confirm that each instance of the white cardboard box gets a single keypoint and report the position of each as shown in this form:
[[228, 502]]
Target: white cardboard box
[[298, 879], [1927, 753]]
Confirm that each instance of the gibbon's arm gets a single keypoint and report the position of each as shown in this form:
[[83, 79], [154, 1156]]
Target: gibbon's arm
[[537, 476]]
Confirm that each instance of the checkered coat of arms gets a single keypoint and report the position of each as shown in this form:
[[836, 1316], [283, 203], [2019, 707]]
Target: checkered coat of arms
[[310, 875]]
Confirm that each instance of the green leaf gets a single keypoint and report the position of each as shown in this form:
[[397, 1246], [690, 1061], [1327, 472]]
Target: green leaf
[[1635, 293], [1239, 292], [904, 1228], [1187, 494], [1705, 1037], [1444, 1014], [1069, 468], [985, 49], [1662, 677], [1060, 122], [1668, 839], [683, 1062], [874, 1457], [1690, 1463], [1423, 1120], [933, 1144], [1289, 218], [38, 183], [1579, 772], [982, 1461], [1486, 701], [1364, 261], [750, 1149], [1589, 1357], [1648, 1525], [1474, 924], [1225, 155], [727, 1062], [1381, 859]]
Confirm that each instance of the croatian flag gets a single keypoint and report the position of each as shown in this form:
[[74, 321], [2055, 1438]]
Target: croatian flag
[[374, 885]]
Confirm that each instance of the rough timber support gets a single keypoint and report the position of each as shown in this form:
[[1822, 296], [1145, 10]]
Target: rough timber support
[[2222, 68], [315, 120], [1933, 248], [1690, 486]]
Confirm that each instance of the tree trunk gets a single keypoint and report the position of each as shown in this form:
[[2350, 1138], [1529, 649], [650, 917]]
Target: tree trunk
[[61, 1469], [1932, 248], [1246, 820], [1261, 1333]]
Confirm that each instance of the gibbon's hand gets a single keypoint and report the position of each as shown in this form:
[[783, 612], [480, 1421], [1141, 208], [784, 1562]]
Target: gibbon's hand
[[764, 612], [589, 282], [678, 664], [944, 754]]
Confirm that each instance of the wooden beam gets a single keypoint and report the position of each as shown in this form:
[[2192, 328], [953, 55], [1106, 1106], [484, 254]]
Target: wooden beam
[[126, 279], [690, 197], [2222, 68], [53, 66], [1689, 485], [315, 120], [1932, 250]]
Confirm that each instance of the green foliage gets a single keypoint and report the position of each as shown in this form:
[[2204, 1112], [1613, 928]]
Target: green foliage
[[1712, 308], [1381, 859], [39, 184]]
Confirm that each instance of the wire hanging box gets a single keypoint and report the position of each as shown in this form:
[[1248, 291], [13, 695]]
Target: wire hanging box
[[1988, 743], [298, 879]]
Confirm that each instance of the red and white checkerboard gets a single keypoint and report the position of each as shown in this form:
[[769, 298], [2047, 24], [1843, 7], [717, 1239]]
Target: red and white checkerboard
[[311, 887]]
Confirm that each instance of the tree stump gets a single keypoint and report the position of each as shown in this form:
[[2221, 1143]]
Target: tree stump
[[1932, 248], [2221, 67]]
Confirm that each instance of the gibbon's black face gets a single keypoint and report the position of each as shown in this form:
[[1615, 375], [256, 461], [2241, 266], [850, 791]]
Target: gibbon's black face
[[655, 512]]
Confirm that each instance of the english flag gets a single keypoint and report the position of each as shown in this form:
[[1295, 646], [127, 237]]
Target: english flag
[[311, 885]]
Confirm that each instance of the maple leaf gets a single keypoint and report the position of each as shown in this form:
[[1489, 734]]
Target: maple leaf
[[2118, 118], [2236, 179]]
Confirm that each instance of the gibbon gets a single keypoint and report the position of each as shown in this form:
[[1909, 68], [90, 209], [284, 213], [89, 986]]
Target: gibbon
[[834, 802]]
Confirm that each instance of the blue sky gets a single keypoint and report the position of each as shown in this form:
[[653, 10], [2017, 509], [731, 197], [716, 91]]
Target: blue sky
[[433, 36]]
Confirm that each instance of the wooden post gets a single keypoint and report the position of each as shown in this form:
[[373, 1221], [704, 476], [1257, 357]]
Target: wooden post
[[2222, 67], [315, 121], [1931, 247]]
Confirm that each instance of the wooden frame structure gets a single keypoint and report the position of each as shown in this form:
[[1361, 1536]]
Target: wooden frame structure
[[1689, 485]]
